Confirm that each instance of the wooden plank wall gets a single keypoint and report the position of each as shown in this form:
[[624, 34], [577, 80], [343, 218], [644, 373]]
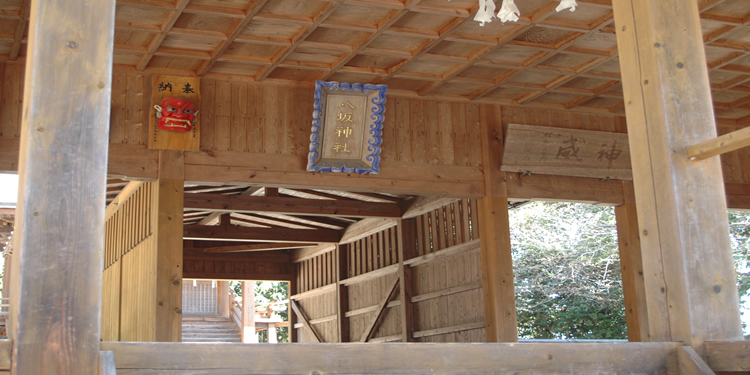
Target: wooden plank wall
[[446, 282], [448, 302], [128, 303], [242, 117], [316, 276]]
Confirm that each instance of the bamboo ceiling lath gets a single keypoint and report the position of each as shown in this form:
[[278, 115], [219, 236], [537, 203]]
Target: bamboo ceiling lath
[[419, 48]]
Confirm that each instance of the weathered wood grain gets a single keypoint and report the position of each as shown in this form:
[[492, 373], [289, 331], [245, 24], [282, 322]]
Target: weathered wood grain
[[566, 152], [690, 287], [58, 259], [392, 358]]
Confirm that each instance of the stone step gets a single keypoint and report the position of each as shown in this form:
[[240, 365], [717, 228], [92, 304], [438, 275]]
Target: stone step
[[209, 329]]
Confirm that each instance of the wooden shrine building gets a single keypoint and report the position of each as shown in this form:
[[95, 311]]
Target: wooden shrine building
[[111, 216]]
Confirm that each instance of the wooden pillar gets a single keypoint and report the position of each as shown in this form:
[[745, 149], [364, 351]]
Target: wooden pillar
[[682, 212], [631, 266], [271, 332], [169, 207], [405, 235], [290, 314], [494, 232], [222, 298], [342, 293], [248, 312], [59, 232]]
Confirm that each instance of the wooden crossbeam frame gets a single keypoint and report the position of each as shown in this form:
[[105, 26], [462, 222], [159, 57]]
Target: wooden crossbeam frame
[[303, 318], [380, 312]]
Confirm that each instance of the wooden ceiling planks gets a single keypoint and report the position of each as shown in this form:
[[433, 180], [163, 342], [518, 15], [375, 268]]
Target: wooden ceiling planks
[[421, 48]]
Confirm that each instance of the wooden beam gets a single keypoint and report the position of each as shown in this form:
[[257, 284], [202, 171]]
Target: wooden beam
[[494, 231], [311, 252], [239, 233], [719, 145], [57, 265], [424, 204], [289, 171], [366, 227], [726, 356], [168, 232], [690, 363], [303, 318], [631, 266], [251, 247], [239, 203], [682, 213], [342, 292], [405, 232], [380, 312], [124, 194], [394, 358], [563, 188]]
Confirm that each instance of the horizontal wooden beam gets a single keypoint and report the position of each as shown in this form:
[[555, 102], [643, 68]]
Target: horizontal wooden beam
[[366, 227], [728, 356], [385, 271], [330, 288], [424, 204], [441, 254], [290, 171], [386, 358], [243, 203], [124, 194], [238, 233], [451, 329], [719, 145], [311, 252], [564, 188], [251, 247], [375, 321]]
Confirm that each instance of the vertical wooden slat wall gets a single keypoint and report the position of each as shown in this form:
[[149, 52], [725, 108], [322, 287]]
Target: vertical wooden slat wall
[[446, 282], [128, 303]]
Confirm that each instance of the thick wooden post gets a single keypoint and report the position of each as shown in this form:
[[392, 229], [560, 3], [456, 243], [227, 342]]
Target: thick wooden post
[[59, 235], [342, 292], [248, 312], [169, 245], [631, 265], [494, 233], [682, 213], [405, 235]]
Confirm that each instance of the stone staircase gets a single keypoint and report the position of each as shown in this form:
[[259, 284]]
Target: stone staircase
[[209, 329]]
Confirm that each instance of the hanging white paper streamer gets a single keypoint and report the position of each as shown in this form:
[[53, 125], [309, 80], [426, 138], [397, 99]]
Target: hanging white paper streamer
[[508, 11], [486, 11], [567, 4]]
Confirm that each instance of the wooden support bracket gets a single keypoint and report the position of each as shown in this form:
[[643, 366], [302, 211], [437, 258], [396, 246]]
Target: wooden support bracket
[[719, 145], [690, 363], [375, 322], [303, 318]]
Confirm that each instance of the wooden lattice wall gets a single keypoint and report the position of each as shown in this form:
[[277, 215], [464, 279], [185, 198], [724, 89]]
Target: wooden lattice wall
[[129, 282], [442, 249]]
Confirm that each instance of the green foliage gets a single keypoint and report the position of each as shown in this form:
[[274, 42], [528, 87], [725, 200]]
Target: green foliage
[[739, 235], [270, 292], [567, 272]]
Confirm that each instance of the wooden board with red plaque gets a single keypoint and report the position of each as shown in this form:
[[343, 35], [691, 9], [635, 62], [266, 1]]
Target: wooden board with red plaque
[[174, 122]]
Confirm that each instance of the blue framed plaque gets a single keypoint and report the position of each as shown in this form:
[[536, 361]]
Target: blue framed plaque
[[347, 127]]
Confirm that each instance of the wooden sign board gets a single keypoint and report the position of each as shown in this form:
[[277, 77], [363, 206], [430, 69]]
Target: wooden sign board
[[174, 119], [566, 152], [347, 128]]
